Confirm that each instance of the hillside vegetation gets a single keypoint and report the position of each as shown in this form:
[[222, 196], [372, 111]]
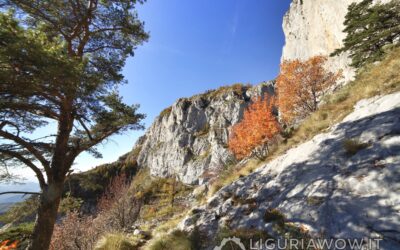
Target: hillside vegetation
[[379, 79], [375, 79]]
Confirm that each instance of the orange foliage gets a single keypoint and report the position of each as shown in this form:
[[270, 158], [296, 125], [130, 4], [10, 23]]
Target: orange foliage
[[258, 126], [4, 245], [300, 86]]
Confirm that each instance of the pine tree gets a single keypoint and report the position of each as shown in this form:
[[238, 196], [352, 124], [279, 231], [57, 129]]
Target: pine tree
[[60, 65], [370, 27]]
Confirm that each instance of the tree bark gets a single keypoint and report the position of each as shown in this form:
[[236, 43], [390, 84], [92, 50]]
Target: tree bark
[[46, 217]]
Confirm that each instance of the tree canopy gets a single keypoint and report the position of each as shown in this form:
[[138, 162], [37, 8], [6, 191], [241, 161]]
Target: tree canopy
[[258, 126], [369, 28], [60, 66], [301, 85]]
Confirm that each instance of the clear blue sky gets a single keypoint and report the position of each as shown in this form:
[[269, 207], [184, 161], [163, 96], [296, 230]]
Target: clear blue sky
[[194, 46]]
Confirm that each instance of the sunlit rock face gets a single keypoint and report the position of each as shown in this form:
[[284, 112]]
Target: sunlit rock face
[[191, 136], [315, 27], [320, 185]]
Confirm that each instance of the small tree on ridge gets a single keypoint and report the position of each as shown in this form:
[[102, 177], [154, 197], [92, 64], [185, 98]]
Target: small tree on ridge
[[258, 126], [300, 86]]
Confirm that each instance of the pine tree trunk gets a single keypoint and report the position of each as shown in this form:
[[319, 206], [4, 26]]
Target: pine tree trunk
[[46, 217]]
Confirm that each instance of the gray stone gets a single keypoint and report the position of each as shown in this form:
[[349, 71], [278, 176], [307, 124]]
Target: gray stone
[[190, 138], [315, 27], [319, 186]]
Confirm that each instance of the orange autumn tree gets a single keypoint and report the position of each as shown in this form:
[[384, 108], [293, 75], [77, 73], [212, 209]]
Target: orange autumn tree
[[301, 85], [6, 245], [258, 126]]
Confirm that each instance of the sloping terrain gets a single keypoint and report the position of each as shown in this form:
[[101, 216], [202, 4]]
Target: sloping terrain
[[190, 137], [341, 184]]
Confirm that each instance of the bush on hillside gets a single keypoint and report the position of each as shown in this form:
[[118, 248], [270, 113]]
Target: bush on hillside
[[177, 240], [301, 86], [117, 210], [258, 126], [116, 242], [89, 186], [21, 211]]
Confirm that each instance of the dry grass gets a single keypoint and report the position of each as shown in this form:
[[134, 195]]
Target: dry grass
[[233, 173], [117, 241], [166, 112], [378, 79], [176, 240], [236, 88], [162, 197], [352, 146], [167, 226]]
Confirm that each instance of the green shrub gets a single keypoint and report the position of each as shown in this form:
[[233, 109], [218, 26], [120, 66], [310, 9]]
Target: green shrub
[[90, 185], [20, 233], [352, 146], [69, 203], [274, 215], [371, 30], [21, 211]]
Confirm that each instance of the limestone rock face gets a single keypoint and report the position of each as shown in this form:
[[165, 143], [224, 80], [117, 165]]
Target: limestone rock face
[[315, 27], [321, 186], [191, 136]]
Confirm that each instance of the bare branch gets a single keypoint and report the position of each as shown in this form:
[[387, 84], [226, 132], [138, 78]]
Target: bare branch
[[85, 145], [34, 109], [19, 192], [100, 48], [85, 128], [100, 30], [41, 14], [4, 123], [28, 163], [28, 146]]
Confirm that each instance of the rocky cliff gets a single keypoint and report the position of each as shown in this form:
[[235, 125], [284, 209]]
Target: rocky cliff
[[315, 27], [190, 137], [319, 187]]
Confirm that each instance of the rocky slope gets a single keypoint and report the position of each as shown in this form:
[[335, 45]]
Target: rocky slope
[[190, 137], [315, 27], [344, 183]]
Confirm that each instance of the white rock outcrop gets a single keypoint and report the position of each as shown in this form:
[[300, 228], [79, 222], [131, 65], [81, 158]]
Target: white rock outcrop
[[320, 187], [191, 136], [315, 27]]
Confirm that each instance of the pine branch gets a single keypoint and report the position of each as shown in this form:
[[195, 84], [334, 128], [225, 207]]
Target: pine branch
[[28, 146], [19, 192], [28, 163]]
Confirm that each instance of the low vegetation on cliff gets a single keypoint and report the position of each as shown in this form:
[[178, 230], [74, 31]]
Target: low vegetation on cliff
[[374, 80], [121, 205], [371, 29]]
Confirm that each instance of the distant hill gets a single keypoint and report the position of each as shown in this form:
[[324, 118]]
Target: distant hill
[[5, 206], [9, 199]]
